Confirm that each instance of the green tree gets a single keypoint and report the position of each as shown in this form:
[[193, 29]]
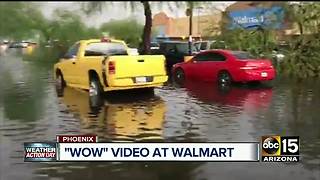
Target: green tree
[[303, 57], [91, 7], [67, 28], [19, 20], [119, 29]]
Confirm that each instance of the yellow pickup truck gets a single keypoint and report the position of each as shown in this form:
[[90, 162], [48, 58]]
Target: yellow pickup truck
[[101, 65]]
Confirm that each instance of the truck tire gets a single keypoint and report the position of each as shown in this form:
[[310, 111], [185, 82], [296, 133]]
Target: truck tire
[[95, 92], [59, 84]]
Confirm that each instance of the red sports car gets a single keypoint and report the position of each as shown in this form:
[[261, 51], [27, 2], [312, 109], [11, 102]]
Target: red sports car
[[224, 66]]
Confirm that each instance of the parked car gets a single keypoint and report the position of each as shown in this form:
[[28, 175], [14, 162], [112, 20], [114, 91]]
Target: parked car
[[104, 65], [224, 66], [3, 47], [278, 55], [19, 45], [133, 51], [207, 45], [154, 48], [175, 51]]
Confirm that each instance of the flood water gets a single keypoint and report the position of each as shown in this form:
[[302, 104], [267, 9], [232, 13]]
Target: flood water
[[199, 112]]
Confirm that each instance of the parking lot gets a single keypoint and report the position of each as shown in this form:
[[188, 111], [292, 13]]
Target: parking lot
[[30, 111]]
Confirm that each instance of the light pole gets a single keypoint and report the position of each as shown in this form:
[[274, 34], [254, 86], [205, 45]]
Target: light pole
[[189, 13]]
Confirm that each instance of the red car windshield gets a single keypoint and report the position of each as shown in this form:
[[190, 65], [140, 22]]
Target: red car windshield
[[241, 55]]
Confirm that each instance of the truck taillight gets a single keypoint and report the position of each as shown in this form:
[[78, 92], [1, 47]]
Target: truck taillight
[[112, 67]]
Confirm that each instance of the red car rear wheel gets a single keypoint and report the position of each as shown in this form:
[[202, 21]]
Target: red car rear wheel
[[224, 78]]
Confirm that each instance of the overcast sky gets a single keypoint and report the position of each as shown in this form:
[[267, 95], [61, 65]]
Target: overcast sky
[[118, 11]]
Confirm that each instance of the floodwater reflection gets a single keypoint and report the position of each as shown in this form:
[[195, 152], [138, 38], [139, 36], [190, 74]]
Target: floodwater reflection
[[138, 117], [249, 98]]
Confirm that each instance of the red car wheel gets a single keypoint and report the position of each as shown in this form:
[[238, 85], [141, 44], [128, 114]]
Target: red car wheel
[[179, 75], [224, 78]]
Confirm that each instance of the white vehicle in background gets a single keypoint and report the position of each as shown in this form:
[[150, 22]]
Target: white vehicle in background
[[278, 56], [279, 52], [19, 45], [207, 45], [4, 46], [133, 51]]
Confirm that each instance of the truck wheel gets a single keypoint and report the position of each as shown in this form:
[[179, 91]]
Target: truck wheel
[[224, 78], [95, 93], [60, 84]]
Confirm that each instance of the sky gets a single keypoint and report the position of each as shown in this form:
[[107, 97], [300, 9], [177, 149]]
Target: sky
[[118, 11]]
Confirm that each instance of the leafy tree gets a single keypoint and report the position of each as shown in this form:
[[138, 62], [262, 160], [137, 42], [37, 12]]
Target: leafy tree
[[119, 29], [66, 28], [303, 57], [19, 20], [93, 6]]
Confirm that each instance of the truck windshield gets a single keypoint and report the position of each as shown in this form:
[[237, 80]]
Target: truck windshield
[[105, 48]]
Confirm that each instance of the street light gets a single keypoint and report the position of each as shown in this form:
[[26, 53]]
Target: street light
[[189, 13]]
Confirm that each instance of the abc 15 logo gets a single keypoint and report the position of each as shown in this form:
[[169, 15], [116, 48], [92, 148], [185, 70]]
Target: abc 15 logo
[[280, 145]]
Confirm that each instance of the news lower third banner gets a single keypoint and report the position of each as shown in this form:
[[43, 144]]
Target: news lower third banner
[[87, 148], [158, 152]]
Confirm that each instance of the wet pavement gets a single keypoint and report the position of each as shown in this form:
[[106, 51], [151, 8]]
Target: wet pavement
[[199, 112]]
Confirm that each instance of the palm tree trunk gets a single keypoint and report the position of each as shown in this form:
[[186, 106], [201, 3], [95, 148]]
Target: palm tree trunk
[[146, 37], [300, 28]]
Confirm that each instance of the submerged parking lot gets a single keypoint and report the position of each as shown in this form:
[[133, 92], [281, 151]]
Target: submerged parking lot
[[30, 111]]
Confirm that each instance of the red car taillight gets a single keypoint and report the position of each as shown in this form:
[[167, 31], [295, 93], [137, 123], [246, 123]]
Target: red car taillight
[[112, 67]]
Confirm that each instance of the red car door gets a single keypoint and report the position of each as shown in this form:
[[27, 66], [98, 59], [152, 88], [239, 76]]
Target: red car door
[[194, 67], [212, 64]]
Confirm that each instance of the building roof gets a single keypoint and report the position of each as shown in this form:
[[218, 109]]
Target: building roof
[[251, 4]]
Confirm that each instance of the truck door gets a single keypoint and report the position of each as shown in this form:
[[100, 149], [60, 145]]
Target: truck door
[[69, 62]]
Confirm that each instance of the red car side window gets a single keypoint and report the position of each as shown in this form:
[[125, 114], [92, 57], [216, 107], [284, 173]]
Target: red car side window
[[210, 56], [201, 57], [217, 57]]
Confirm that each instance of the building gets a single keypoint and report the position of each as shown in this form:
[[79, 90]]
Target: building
[[202, 26], [246, 15]]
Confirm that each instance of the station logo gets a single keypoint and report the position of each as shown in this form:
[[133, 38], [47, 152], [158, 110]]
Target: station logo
[[280, 148]]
